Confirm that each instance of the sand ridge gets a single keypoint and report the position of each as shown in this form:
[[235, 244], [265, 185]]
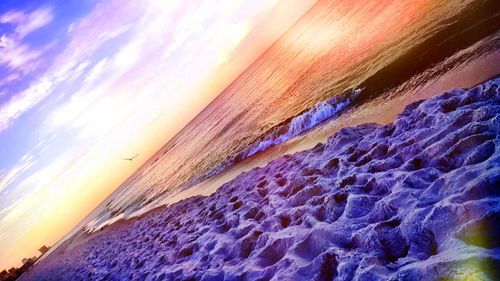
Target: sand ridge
[[413, 200]]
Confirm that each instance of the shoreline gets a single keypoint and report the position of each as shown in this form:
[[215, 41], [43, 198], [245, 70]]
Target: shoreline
[[481, 69], [271, 224], [316, 75]]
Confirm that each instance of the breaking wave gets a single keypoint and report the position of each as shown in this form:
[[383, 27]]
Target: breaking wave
[[289, 129], [297, 125]]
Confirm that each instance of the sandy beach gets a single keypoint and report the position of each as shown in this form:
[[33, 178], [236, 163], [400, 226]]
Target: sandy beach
[[250, 140], [415, 199]]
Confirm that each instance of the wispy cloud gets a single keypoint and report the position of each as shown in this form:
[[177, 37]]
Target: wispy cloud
[[9, 176], [33, 21], [24, 101], [21, 59], [13, 52], [9, 79], [25, 23]]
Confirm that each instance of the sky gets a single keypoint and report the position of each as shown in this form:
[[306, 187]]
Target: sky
[[85, 83]]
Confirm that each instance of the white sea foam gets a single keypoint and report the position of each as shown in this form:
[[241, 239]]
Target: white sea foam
[[307, 120]]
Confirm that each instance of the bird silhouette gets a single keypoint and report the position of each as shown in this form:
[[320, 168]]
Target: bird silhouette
[[131, 158]]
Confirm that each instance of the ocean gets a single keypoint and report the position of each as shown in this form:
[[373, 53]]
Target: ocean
[[342, 63]]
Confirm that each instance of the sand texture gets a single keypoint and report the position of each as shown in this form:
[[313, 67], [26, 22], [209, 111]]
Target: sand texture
[[417, 199]]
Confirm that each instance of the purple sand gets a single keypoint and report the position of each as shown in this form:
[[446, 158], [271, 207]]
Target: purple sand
[[414, 200]]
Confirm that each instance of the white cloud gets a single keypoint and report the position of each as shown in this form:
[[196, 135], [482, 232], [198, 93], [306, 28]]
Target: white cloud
[[6, 41], [127, 56], [96, 71], [38, 91], [9, 176], [20, 103]]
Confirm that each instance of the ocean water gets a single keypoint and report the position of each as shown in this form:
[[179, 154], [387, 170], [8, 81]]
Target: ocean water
[[341, 55]]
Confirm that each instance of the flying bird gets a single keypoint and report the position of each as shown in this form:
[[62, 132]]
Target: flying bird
[[131, 158]]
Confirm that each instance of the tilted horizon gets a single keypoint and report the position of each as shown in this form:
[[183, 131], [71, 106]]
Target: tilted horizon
[[238, 140]]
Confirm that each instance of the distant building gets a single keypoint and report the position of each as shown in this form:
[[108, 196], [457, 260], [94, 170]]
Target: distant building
[[4, 275], [8, 275], [14, 273], [29, 260], [44, 249]]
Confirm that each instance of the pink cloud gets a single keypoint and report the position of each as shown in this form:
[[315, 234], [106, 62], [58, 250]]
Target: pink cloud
[[26, 23], [106, 21], [20, 57], [34, 21], [12, 17], [9, 79]]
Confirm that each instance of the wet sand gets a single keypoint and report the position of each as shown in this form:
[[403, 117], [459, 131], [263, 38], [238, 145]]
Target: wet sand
[[376, 111]]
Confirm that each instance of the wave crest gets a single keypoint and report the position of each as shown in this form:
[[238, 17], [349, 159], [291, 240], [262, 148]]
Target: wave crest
[[297, 125]]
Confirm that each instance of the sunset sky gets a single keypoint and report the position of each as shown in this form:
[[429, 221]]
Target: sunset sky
[[84, 84]]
